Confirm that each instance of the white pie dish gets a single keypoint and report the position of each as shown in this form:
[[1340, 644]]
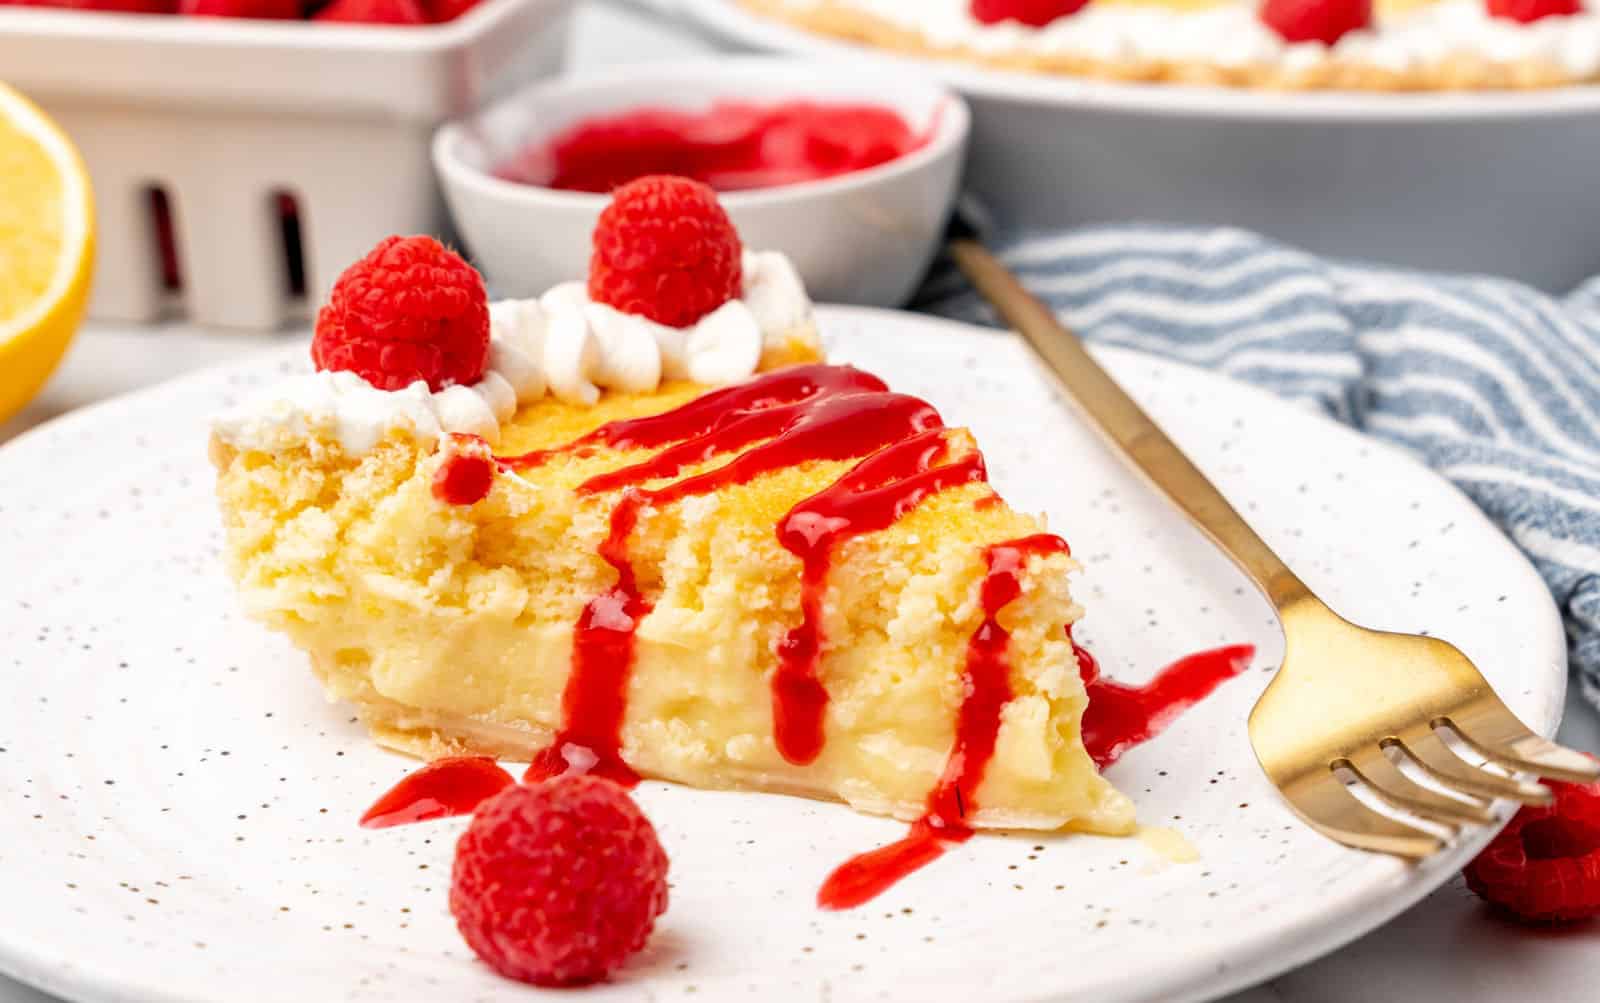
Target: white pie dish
[[865, 237], [1493, 182]]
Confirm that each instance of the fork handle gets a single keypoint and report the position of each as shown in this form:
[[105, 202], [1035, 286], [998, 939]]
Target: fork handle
[[1124, 423]]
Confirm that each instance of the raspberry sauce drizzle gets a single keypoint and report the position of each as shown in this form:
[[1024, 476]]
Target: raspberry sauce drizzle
[[819, 413], [872, 496], [596, 694], [467, 474], [988, 687], [698, 417], [441, 789], [795, 415], [823, 427], [1118, 717]]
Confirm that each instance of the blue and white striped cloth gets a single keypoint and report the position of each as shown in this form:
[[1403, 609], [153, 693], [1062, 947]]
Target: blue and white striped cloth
[[1492, 384]]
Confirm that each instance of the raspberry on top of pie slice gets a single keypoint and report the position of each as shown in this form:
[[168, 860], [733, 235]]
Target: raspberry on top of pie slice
[[659, 540]]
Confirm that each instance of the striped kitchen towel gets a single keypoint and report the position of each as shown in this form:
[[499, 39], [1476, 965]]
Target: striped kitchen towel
[[1493, 384]]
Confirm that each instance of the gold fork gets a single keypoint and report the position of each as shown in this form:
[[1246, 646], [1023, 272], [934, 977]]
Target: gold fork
[[1351, 708]]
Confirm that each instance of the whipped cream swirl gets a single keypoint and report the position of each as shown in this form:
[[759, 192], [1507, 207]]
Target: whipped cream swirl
[[1232, 35], [561, 343]]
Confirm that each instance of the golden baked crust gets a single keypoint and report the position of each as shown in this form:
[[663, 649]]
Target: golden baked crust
[[1456, 73]]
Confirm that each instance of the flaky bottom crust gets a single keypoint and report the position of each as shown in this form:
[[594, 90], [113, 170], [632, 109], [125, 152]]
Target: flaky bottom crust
[[428, 735]]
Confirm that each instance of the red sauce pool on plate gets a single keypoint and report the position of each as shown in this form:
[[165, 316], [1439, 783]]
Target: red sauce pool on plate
[[441, 789], [731, 146], [1120, 717]]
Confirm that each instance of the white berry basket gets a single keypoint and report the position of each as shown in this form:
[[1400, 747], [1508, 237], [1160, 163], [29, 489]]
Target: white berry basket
[[213, 123]]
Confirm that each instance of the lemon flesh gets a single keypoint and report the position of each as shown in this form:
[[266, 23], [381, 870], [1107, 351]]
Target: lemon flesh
[[46, 248]]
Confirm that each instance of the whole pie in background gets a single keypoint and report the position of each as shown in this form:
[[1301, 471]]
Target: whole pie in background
[[1393, 45]]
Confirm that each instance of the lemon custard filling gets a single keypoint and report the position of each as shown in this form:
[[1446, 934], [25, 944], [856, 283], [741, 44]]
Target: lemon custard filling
[[456, 628]]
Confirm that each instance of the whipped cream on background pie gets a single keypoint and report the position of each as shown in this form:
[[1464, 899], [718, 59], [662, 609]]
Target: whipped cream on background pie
[[1448, 44]]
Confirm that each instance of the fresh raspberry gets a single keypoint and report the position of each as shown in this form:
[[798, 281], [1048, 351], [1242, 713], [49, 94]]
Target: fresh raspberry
[[1037, 13], [440, 11], [1545, 866], [266, 10], [558, 883], [1323, 21], [664, 249], [373, 12], [410, 310], [1529, 11]]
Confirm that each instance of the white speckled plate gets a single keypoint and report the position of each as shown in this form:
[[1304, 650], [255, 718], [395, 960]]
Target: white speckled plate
[[178, 804]]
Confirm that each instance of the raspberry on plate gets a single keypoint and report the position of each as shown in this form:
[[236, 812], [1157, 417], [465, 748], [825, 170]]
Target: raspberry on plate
[[558, 883], [1036, 13], [1529, 11], [266, 10], [1324, 21], [410, 310], [373, 12], [1545, 866], [664, 249]]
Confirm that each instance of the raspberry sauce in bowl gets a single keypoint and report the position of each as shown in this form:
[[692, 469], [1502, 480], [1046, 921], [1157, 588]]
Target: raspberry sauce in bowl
[[849, 169], [731, 146]]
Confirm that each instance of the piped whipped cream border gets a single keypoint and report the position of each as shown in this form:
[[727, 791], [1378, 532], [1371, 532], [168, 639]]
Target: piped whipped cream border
[[1232, 35], [561, 344]]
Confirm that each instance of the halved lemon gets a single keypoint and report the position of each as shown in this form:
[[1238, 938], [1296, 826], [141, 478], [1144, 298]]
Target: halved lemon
[[46, 247]]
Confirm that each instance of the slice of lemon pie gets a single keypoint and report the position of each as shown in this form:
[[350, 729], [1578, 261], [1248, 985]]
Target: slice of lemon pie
[[639, 528]]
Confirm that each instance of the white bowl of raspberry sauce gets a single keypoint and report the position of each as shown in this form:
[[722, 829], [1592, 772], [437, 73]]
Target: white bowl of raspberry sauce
[[850, 171]]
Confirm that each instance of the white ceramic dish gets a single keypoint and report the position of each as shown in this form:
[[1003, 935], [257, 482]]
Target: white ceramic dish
[[223, 114], [178, 804], [865, 237], [1480, 182]]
